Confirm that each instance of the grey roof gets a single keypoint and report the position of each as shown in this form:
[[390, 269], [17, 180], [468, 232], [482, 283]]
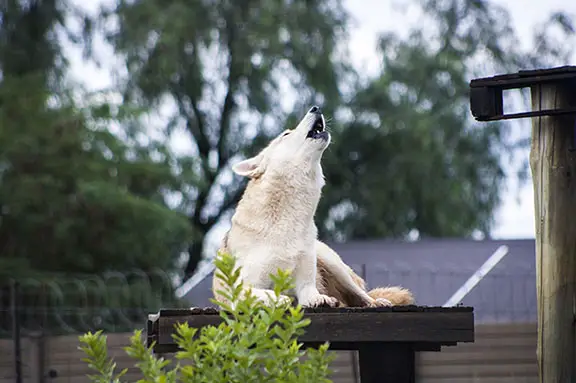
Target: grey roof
[[434, 269]]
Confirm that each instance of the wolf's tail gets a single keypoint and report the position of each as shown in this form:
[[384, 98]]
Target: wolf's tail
[[395, 294]]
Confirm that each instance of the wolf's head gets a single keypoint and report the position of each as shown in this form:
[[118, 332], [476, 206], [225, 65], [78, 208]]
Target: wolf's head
[[297, 149]]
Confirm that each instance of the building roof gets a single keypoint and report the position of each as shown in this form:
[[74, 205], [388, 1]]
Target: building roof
[[434, 269]]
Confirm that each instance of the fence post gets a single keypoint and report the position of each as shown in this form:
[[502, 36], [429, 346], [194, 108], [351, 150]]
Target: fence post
[[36, 357], [553, 163], [15, 309]]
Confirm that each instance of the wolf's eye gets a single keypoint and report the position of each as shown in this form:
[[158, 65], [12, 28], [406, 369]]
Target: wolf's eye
[[286, 133]]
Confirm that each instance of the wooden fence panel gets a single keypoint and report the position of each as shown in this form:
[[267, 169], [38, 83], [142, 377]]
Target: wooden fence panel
[[30, 360], [501, 353]]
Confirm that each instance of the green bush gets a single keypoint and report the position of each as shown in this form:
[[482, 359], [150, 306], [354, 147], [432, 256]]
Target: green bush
[[253, 343]]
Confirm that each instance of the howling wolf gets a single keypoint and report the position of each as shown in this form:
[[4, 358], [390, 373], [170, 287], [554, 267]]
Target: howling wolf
[[273, 226]]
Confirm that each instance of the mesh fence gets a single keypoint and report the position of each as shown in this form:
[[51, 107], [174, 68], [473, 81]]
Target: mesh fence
[[70, 304]]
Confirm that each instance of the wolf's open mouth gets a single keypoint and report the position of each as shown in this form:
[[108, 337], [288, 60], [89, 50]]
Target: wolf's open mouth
[[317, 130]]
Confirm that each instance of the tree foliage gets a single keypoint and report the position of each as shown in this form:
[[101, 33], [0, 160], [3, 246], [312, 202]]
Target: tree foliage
[[410, 158], [74, 198], [226, 66]]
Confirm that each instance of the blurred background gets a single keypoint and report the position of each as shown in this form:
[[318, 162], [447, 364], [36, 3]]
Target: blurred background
[[119, 121]]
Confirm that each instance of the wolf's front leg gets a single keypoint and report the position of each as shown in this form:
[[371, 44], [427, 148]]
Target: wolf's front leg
[[305, 280], [269, 298]]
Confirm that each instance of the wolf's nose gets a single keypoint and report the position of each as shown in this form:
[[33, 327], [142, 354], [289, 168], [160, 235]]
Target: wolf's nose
[[315, 110]]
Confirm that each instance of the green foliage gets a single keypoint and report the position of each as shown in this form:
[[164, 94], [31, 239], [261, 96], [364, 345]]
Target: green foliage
[[74, 190], [410, 157], [218, 62], [26, 44], [77, 202], [76, 198], [254, 343], [77, 206]]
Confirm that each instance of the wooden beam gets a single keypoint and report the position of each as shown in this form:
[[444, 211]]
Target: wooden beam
[[525, 78], [553, 165], [486, 94], [426, 328]]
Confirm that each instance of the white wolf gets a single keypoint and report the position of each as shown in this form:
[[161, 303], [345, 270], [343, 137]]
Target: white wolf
[[273, 226]]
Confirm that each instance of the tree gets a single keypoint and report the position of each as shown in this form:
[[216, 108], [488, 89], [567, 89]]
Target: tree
[[26, 41], [74, 198], [226, 68], [411, 158], [65, 180], [226, 65]]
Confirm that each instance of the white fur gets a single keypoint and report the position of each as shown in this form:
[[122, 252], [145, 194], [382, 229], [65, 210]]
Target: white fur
[[342, 272], [273, 226]]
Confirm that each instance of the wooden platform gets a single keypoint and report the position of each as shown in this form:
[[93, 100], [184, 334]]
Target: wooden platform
[[386, 338]]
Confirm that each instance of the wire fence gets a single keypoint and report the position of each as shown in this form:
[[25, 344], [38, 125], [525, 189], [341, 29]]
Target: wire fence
[[505, 295], [501, 296], [71, 304], [121, 301]]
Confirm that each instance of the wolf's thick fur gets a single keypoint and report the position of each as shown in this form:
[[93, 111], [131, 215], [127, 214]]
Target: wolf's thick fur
[[273, 226]]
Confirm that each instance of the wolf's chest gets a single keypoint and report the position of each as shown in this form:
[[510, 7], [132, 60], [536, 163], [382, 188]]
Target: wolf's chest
[[263, 260]]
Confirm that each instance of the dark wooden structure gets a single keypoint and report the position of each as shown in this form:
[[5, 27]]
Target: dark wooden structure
[[386, 338], [487, 94], [553, 165]]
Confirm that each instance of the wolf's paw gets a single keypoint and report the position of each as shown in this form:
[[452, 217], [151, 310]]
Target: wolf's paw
[[321, 300], [269, 298], [283, 300], [381, 302]]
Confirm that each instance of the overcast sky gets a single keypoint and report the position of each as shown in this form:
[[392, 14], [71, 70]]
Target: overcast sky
[[515, 218]]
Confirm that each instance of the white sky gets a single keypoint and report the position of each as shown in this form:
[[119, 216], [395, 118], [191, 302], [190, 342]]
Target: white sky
[[515, 218]]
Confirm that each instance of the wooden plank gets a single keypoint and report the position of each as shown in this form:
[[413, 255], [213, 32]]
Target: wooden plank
[[342, 368], [486, 101], [497, 330], [497, 356], [553, 165], [71, 342], [344, 328], [487, 344], [129, 377], [73, 356], [485, 379], [479, 370], [526, 78]]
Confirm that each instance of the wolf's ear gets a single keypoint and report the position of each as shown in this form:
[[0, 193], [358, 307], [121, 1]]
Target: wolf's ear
[[248, 168]]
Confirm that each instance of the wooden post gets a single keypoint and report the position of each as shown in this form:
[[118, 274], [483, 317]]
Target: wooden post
[[387, 363], [16, 332], [553, 165], [35, 357]]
